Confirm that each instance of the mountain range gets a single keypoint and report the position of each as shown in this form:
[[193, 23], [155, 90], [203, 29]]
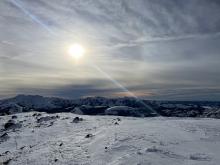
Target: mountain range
[[125, 106]]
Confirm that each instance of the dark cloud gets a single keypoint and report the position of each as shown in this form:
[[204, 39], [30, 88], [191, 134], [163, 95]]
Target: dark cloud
[[78, 89]]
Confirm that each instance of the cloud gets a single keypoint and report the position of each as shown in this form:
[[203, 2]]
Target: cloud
[[152, 44]]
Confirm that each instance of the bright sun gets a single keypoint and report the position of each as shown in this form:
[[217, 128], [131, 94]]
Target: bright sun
[[76, 51]]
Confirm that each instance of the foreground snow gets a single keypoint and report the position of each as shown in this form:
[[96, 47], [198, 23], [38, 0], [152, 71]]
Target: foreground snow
[[147, 141]]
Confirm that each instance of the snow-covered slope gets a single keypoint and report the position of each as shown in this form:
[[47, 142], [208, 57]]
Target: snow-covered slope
[[32, 101], [28, 103], [99, 140]]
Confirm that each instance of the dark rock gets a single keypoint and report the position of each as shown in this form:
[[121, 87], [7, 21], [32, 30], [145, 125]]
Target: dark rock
[[22, 148], [6, 162], [46, 118], [89, 110], [51, 123], [116, 123], [36, 114], [12, 125], [14, 117], [65, 118], [153, 149], [4, 137], [200, 157], [89, 135], [6, 152], [77, 119]]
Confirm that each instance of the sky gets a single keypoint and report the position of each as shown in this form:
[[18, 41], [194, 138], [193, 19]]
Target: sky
[[152, 49]]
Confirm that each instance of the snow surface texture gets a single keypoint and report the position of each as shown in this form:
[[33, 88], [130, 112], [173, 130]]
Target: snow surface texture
[[99, 140]]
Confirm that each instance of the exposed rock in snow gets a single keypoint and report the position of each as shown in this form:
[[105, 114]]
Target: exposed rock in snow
[[89, 110], [77, 119], [200, 157], [89, 135], [45, 119], [14, 117], [4, 137], [11, 124]]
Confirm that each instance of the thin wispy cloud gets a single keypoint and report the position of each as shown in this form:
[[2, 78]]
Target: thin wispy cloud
[[147, 46]]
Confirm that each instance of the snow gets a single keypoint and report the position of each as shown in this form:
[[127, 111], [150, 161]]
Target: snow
[[32, 101], [133, 141], [117, 109]]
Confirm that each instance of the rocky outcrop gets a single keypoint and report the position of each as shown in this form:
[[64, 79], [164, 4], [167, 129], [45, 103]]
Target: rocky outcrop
[[89, 110], [11, 124]]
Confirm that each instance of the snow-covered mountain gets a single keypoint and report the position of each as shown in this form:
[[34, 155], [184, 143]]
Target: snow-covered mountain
[[99, 105], [90, 105], [38, 138], [35, 101], [79, 135], [31, 101]]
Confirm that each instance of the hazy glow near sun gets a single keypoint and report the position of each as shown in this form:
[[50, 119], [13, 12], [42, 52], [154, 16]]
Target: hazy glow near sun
[[76, 51]]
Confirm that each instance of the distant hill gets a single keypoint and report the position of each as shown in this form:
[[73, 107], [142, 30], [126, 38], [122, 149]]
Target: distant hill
[[99, 105]]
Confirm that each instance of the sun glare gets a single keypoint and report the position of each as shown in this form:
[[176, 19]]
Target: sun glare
[[76, 51]]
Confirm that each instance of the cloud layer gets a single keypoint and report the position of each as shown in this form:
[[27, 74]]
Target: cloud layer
[[155, 49]]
